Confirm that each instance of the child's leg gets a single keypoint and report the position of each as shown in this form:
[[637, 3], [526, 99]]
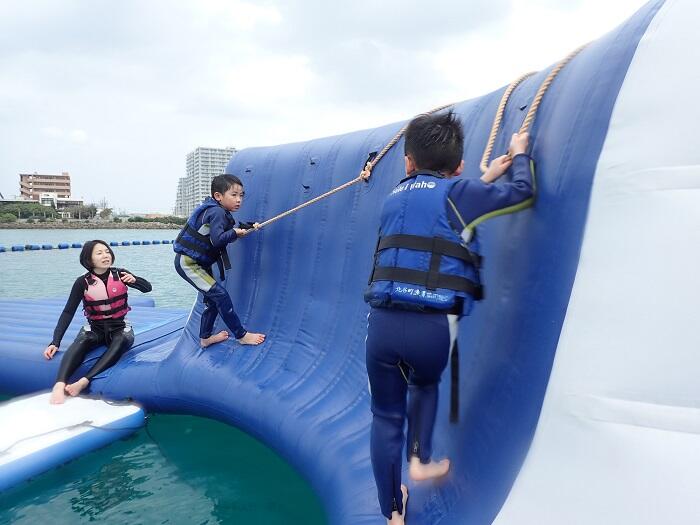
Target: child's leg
[[206, 324], [218, 297], [202, 281], [216, 300], [388, 388], [427, 355], [119, 343]]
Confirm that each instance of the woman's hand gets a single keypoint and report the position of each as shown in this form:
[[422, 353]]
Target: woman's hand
[[50, 351], [127, 278]]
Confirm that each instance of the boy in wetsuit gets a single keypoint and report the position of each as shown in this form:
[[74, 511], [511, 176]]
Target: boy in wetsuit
[[425, 276], [200, 244]]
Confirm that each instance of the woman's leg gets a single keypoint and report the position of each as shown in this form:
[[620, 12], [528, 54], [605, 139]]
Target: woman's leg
[[120, 342], [85, 341]]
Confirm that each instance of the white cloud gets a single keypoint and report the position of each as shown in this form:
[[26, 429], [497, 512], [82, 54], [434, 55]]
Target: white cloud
[[77, 136], [143, 83]]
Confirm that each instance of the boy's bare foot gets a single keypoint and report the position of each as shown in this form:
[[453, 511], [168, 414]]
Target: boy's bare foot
[[74, 389], [216, 338], [58, 394], [422, 471], [251, 338], [396, 518]]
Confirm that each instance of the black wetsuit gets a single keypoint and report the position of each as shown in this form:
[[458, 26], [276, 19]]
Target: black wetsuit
[[115, 333]]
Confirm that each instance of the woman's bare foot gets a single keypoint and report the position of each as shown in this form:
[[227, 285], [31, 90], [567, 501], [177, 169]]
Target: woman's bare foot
[[216, 338], [58, 394], [251, 338], [422, 471], [396, 518], [74, 389]]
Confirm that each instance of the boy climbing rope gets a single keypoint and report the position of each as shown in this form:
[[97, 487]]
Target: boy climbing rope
[[200, 244], [425, 276]]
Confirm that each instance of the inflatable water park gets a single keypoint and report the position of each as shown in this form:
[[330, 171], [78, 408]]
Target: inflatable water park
[[574, 398]]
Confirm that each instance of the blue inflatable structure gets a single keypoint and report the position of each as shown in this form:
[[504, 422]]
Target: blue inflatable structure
[[562, 363]]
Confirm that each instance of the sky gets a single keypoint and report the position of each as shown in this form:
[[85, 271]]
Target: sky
[[117, 93]]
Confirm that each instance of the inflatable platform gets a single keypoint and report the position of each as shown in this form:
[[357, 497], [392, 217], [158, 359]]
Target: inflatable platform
[[579, 399], [37, 436]]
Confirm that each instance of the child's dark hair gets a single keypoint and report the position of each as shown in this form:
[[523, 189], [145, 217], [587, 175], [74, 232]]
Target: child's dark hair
[[222, 183], [435, 142], [86, 253]]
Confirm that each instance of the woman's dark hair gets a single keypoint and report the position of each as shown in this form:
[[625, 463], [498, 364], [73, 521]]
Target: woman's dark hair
[[435, 142], [86, 253], [222, 183]]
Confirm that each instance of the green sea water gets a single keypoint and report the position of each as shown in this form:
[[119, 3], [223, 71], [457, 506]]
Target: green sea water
[[179, 469]]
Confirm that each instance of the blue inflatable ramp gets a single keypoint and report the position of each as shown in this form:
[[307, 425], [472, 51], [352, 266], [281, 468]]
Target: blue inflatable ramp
[[578, 372]]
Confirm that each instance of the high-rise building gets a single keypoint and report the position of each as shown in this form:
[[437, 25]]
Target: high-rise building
[[32, 185], [202, 165]]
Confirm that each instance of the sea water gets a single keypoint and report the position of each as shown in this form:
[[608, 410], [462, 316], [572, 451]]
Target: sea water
[[179, 469]]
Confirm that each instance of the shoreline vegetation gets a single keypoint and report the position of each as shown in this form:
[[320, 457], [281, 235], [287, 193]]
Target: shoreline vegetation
[[32, 216], [89, 226]]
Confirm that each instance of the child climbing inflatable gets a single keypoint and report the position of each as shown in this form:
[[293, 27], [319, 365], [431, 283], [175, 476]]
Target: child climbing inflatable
[[426, 275], [200, 244]]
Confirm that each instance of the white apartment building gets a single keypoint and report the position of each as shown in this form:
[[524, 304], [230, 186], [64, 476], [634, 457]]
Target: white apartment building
[[202, 165]]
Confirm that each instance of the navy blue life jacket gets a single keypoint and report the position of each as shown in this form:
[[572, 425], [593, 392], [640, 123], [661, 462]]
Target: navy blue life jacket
[[198, 245], [421, 262]]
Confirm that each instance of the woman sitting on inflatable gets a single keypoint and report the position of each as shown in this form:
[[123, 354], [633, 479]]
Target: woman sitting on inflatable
[[103, 290]]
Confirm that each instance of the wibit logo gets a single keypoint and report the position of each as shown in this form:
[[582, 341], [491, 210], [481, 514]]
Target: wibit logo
[[418, 185]]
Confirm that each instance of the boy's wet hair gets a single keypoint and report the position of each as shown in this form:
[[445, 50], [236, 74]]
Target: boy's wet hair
[[86, 253], [435, 142], [222, 183]]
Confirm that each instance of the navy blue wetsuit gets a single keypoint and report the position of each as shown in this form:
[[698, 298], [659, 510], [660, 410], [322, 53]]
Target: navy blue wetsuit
[[408, 350], [217, 224]]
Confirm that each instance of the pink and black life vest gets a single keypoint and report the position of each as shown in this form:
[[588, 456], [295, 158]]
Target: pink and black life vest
[[105, 302]]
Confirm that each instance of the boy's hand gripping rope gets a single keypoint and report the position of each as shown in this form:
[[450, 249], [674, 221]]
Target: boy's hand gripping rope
[[366, 172], [531, 113], [364, 175]]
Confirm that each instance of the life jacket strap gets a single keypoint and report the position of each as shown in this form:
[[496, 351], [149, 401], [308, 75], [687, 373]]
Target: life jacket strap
[[454, 384], [94, 311], [101, 302], [194, 233], [431, 280], [223, 262], [207, 252], [436, 245]]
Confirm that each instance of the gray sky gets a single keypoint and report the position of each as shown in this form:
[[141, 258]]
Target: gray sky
[[117, 93]]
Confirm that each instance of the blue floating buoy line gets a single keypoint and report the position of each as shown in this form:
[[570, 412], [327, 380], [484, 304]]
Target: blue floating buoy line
[[65, 245]]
